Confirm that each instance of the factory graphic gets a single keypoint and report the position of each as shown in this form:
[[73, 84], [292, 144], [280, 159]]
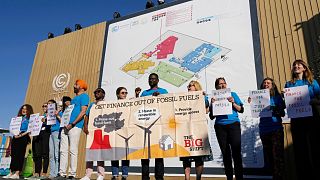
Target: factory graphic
[[175, 57]]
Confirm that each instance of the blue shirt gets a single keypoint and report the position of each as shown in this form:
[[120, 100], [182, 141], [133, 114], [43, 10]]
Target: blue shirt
[[24, 124], [88, 110], [274, 123], [313, 88], [230, 118], [56, 127], [149, 92], [78, 101]]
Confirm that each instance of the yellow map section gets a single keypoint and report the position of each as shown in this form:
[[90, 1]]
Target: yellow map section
[[140, 65], [156, 151]]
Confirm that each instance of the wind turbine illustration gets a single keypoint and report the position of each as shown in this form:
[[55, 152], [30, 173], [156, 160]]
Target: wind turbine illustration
[[126, 140], [147, 131]]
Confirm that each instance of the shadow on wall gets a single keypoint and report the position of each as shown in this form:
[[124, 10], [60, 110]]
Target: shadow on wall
[[311, 34]]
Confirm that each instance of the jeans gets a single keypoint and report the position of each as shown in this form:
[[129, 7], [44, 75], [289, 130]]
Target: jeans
[[229, 139], [69, 138], [115, 168], [54, 146]]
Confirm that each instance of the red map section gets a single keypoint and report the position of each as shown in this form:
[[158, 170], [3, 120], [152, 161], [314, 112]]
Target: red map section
[[165, 48]]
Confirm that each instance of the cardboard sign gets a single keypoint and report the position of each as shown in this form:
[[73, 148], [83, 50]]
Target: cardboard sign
[[51, 115], [15, 125], [65, 119], [260, 103], [35, 124], [297, 102], [221, 106]]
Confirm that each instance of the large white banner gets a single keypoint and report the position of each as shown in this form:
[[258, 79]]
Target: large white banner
[[298, 102], [195, 40]]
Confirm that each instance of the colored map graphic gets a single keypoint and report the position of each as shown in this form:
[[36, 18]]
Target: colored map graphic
[[175, 57]]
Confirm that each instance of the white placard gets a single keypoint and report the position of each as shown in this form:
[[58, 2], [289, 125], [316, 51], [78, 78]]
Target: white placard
[[32, 119], [221, 106], [5, 163], [36, 125], [65, 119], [51, 115], [15, 125], [297, 102], [260, 103]]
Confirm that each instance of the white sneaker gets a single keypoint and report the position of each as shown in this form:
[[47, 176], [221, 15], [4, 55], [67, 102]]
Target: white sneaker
[[14, 176], [7, 176], [100, 177], [85, 178]]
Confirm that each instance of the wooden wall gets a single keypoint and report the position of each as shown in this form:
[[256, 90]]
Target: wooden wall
[[289, 30], [78, 53]]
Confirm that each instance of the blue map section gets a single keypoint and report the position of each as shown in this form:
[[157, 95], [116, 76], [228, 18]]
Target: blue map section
[[199, 58]]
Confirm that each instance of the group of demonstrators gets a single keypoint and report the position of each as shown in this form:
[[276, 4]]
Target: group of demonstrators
[[53, 143]]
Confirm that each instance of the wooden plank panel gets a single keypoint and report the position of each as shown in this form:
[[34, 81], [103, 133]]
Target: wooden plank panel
[[300, 16], [273, 56], [295, 38], [68, 53], [262, 34]]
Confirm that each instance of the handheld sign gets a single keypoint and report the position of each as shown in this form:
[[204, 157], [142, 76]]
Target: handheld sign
[[221, 106], [65, 119], [37, 124], [32, 119], [297, 102], [51, 116], [15, 125], [260, 103]]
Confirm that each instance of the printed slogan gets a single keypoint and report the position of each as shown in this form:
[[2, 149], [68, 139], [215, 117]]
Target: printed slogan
[[171, 125]]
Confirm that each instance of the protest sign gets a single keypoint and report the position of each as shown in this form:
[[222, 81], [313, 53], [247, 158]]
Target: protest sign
[[297, 102], [65, 119], [51, 115], [221, 105], [15, 125], [260, 103]]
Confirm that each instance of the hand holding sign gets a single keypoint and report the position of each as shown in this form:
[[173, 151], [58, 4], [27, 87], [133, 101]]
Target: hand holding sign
[[260, 103], [51, 116], [297, 102], [221, 102], [15, 125]]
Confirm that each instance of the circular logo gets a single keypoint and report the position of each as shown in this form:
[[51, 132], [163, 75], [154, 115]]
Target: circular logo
[[61, 81]]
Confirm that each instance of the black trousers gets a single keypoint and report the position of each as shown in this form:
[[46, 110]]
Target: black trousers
[[18, 150], [229, 139], [40, 149], [305, 136], [158, 169]]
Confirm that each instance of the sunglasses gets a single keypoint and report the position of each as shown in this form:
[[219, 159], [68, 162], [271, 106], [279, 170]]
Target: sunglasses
[[190, 85], [124, 92], [44, 106]]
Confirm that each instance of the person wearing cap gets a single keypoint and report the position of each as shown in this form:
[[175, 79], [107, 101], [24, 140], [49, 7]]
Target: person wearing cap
[[99, 95], [71, 133]]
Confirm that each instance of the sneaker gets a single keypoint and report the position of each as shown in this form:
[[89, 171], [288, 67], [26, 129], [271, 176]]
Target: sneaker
[[14, 176], [85, 178], [100, 177], [7, 176], [124, 178]]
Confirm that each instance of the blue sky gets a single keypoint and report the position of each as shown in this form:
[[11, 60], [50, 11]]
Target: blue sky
[[24, 23]]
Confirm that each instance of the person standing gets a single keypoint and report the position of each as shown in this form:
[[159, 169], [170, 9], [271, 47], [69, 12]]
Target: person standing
[[271, 131], [19, 143], [305, 129], [54, 141], [121, 93], [159, 164], [99, 95], [40, 145], [228, 133], [199, 160], [71, 133]]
